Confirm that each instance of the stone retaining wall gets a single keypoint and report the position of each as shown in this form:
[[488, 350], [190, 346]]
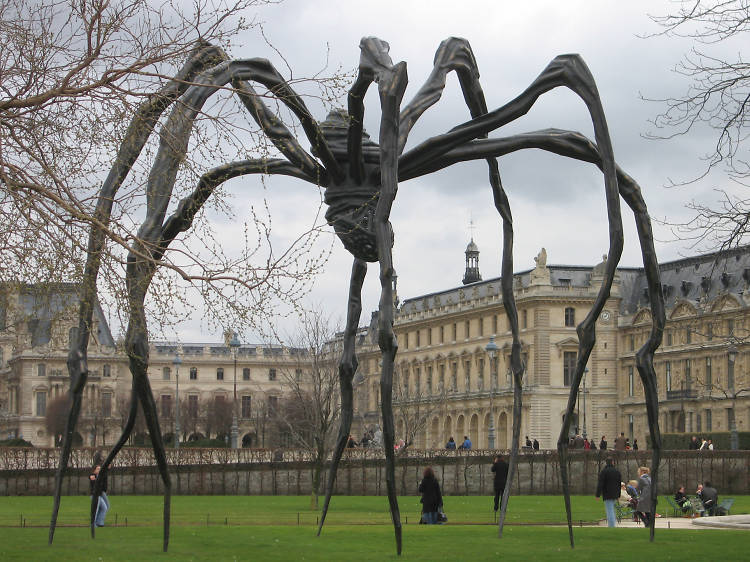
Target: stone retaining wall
[[227, 472]]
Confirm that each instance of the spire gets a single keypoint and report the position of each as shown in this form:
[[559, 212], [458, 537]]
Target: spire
[[472, 275]]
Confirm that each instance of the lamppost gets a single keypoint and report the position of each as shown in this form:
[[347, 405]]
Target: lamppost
[[491, 350], [734, 441], [585, 372], [177, 361], [234, 344]]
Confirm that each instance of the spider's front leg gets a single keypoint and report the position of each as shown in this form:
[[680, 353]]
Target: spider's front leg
[[347, 368]]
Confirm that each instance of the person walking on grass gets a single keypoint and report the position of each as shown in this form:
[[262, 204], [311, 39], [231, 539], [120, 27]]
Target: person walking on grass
[[608, 488], [645, 505], [103, 504]]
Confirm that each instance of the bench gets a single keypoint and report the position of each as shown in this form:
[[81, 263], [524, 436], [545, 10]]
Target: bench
[[724, 506]]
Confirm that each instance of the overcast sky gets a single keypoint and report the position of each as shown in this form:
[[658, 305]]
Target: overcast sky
[[557, 203]]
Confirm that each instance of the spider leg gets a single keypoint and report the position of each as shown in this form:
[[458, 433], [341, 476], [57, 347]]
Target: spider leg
[[456, 54], [575, 145], [347, 369], [204, 55], [376, 65], [570, 71]]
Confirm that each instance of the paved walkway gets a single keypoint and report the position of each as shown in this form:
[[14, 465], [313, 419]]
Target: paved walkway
[[723, 522]]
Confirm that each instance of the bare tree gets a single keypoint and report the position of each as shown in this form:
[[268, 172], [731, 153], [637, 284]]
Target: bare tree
[[56, 416], [218, 417], [309, 413], [717, 96], [415, 402]]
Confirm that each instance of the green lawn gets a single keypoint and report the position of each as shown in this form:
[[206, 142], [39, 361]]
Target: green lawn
[[265, 528]]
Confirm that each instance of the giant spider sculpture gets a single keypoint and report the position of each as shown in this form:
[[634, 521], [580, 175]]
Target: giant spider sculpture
[[361, 179]]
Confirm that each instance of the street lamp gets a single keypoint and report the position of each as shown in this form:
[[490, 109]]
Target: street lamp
[[491, 349], [585, 372], [734, 441], [177, 361], [234, 344]]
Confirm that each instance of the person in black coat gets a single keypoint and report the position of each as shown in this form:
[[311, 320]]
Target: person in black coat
[[608, 487], [500, 468], [431, 497]]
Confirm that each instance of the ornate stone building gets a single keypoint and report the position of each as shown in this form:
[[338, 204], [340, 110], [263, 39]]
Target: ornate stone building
[[36, 327], [446, 385]]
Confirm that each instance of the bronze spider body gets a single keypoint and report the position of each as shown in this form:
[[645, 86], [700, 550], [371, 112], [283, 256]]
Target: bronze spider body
[[361, 179]]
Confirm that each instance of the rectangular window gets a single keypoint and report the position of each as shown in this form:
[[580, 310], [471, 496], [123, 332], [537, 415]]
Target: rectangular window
[[467, 329], [41, 403], [631, 342], [481, 327], [698, 423], [298, 374], [570, 316], [107, 370], [429, 336], [455, 330], [419, 338], [687, 374], [417, 382], [631, 380], [709, 382], [669, 337], [688, 335], [710, 331], [730, 374], [569, 366], [271, 374], [107, 404], [441, 378], [166, 372], [730, 327], [273, 404], [467, 376], [245, 373], [220, 374], [246, 406], [41, 370], [454, 377], [166, 406], [494, 323], [193, 406], [668, 373], [709, 421], [193, 373], [406, 340], [429, 380], [524, 319], [442, 334]]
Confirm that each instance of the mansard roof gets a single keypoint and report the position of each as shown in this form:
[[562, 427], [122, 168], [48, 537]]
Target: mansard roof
[[698, 279]]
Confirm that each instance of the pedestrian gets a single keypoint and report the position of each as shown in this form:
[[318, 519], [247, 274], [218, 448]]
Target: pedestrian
[[586, 444], [603, 443], [709, 496], [431, 500], [528, 442], [608, 488], [535, 444], [645, 505], [451, 444], [694, 445], [466, 444], [500, 468], [351, 444], [103, 503], [635, 444], [620, 442], [710, 445]]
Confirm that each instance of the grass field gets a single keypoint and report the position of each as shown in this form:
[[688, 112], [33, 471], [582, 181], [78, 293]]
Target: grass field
[[358, 528]]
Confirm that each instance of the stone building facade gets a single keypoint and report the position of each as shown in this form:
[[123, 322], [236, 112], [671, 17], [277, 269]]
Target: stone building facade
[[36, 327], [447, 386]]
